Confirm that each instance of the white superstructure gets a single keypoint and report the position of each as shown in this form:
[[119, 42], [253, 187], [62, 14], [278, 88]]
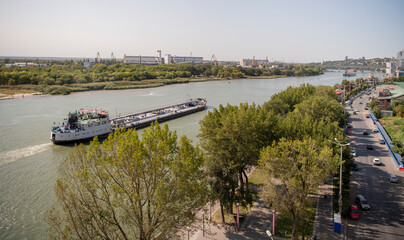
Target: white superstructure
[[81, 126]]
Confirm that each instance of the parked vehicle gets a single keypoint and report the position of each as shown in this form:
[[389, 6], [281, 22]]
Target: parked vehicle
[[376, 161], [375, 130], [367, 115], [393, 179], [369, 147], [353, 212], [361, 201], [365, 132], [355, 168], [353, 153], [381, 141]]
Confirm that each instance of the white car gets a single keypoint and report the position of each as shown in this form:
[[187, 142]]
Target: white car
[[353, 153], [375, 130], [393, 179], [376, 161]]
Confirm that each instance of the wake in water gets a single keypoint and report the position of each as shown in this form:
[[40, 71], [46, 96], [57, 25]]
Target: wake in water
[[16, 154]]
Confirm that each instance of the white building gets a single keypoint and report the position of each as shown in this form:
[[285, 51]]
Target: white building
[[169, 59], [391, 68]]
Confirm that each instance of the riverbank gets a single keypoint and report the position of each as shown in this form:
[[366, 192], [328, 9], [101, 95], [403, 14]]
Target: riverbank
[[24, 90]]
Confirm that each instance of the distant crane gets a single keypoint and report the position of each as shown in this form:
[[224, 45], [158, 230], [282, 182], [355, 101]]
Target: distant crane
[[113, 58], [253, 61], [124, 58], [190, 58], [213, 60], [174, 60], [97, 58]]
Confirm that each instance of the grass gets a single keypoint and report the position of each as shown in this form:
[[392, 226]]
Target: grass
[[394, 127]]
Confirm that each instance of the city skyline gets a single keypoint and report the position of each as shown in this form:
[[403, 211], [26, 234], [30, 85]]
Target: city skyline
[[292, 31]]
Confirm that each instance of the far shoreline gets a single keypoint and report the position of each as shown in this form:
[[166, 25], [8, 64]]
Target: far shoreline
[[22, 91]]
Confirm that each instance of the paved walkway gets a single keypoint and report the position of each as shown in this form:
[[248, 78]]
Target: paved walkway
[[323, 224]]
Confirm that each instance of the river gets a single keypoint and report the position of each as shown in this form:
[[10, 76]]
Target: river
[[29, 161]]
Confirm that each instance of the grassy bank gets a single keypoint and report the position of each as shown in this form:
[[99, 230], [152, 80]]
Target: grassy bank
[[115, 85], [394, 127]]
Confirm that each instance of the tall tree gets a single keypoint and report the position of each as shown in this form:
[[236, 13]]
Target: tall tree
[[232, 138], [129, 188], [294, 170]]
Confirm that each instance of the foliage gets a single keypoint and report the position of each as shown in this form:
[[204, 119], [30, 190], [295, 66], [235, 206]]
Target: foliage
[[377, 112], [295, 169], [232, 138], [71, 73], [129, 188]]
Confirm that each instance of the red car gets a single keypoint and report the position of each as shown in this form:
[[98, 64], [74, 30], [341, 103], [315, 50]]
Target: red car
[[353, 212]]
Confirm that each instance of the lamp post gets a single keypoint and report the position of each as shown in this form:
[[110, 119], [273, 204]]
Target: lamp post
[[238, 215], [340, 174], [188, 232], [203, 223], [273, 221]]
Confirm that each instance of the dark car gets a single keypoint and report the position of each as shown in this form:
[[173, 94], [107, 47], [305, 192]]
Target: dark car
[[369, 147], [361, 201], [349, 126], [365, 132], [366, 108], [367, 115], [381, 141], [355, 168]]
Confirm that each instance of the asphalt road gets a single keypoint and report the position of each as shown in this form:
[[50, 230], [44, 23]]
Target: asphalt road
[[385, 220]]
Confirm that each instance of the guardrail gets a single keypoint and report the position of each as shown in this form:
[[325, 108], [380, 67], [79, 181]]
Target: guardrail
[[396, 157]]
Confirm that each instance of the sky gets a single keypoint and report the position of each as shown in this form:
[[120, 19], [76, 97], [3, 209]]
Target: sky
[[291, 31]]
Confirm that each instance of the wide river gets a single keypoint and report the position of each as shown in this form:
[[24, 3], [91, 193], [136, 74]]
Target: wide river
[[29, 161]]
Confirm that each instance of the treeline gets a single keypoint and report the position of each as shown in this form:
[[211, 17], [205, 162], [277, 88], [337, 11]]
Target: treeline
[[75, 73]]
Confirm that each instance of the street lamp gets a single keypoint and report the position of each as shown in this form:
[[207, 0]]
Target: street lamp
[[188, 232], [203, 223], [340, 174], [238, 215]]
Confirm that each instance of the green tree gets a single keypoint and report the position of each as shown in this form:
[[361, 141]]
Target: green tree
[[129, 188], [377, 112], [232, 138], [294, 170]]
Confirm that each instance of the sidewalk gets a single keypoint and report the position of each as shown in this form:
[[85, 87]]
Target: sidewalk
[[258, 221], [323, 223]]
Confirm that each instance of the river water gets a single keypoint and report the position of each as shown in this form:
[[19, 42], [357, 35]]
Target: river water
[[29, 161]]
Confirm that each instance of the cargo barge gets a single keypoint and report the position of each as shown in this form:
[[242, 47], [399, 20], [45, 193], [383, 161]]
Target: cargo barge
[[85, 124]]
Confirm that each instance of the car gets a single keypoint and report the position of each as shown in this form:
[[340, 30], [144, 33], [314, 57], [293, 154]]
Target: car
[[393, 179], [365, 132], [356, 110], [355, 168], [354, 113], [360, 102], [369, 147], [376, 161], [375, 130], [353, 212], [361, 201], [353, 153], [349, 126], [381, 141], [367, 116], [366, 108]]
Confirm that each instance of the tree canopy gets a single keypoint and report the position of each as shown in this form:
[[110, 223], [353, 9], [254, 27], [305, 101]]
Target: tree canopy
[[129, 188]]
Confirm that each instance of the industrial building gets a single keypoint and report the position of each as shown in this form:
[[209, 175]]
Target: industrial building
[[168, 59], [252, 62]]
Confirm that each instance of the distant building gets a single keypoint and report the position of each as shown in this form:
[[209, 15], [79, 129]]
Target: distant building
[[145, 60], [391, 68], [400, 59], [250, 62], [388, 93], [169, 59]]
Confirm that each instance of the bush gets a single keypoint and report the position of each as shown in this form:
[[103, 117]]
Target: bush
[[376, 111]]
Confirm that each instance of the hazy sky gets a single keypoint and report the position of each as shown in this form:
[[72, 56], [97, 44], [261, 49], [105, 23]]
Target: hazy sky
[[301, 30]]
